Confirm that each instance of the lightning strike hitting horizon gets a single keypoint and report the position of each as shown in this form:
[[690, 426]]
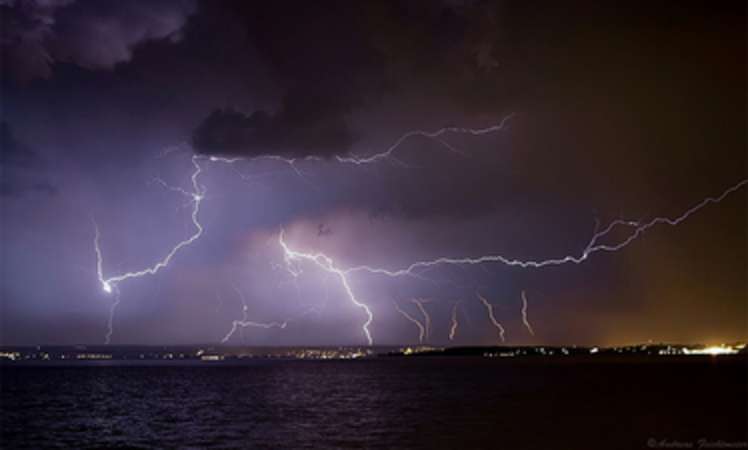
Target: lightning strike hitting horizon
[[453, 325], [491, 317], [426, 317], [244, 323], [524, 314], [421, 329], [110, 322], [327, 264]]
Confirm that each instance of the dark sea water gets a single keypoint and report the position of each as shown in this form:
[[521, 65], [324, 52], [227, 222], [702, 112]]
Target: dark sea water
[[382, 403]]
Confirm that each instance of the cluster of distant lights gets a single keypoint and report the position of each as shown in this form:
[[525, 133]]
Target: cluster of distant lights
[[666, 350], [293, 257], [714, 350]]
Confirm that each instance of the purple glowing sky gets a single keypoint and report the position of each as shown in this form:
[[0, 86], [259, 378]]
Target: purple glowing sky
[[632, 113]]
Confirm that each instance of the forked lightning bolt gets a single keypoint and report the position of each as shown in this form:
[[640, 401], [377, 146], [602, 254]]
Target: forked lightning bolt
[[197, 194], [379, 156]]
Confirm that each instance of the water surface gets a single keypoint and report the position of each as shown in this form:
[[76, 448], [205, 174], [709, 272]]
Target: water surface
[[421, 402]]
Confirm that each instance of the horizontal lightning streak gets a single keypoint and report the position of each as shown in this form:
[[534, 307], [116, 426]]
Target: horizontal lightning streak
[[524, 314], [428, 134], [386, 154], [245, 322], [591, 248]]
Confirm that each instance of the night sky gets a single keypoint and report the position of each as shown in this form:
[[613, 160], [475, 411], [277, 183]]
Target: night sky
[[610, 110]]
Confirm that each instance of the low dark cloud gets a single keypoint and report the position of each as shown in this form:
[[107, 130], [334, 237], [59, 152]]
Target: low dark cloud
[[308, 126], [333, 58], [36, 34]]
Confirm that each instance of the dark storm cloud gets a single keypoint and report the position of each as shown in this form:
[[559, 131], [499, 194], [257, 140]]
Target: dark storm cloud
[[320, 57], [20, 167], [92, 34], [599, 104], [642, 98], [332, 58]]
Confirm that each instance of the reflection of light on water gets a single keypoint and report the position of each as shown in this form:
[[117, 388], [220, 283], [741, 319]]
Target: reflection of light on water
[[713, 350]]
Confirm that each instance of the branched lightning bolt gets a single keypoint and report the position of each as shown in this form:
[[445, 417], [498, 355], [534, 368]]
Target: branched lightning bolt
[[426, 317], [453, 325], [421, 329], [326, 263], [197, 194], [489, 308], [592, 247], [524, 314]]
